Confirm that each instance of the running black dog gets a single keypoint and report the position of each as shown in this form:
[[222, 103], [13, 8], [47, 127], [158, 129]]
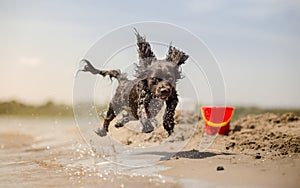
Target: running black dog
[[142, 98]]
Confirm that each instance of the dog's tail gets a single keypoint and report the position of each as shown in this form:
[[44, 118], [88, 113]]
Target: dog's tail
[[88, 67]]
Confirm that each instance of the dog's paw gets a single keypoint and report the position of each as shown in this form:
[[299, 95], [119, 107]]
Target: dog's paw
[[170, 132], [101, 132], [147, 126]]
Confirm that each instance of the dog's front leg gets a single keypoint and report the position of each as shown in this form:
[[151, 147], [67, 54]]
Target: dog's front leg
[[143, 113], [168, 120]]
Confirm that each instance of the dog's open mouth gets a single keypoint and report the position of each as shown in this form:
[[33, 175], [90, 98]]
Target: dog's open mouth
[[163, 97], [163, 94]]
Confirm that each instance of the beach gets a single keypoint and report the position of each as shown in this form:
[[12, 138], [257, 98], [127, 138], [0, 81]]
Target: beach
[[259, 151]]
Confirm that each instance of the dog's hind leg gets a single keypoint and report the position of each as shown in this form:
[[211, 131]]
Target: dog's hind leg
[[109, 117]]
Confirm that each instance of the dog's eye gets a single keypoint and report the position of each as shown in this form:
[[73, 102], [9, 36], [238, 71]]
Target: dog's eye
[[154, 81]]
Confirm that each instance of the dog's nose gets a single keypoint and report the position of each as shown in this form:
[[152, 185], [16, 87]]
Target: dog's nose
[[164, 91]]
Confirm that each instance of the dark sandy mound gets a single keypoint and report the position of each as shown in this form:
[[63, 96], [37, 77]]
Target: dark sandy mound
[[265, 135]]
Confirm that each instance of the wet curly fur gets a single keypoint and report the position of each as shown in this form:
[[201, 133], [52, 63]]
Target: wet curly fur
[[142, 98]]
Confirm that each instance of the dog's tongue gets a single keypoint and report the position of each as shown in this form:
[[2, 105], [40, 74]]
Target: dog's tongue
[[163, 97]]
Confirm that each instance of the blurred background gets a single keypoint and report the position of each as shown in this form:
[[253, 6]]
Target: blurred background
[[256, 44]]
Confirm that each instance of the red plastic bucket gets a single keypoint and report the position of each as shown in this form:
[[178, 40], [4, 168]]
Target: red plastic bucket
[[217, 119]]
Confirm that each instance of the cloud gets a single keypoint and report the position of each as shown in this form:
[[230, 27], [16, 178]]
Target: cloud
[[29, 61]]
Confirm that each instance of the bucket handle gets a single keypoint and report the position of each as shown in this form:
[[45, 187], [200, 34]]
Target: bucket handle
[[210, 123]]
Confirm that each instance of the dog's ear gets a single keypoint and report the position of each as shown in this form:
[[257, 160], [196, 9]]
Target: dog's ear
[[144, 48], [176, 56]]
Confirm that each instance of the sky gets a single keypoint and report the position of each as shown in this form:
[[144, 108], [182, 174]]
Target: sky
[[255, 42]]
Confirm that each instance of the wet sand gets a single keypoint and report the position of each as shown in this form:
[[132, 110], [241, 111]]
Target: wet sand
[[51, 153]]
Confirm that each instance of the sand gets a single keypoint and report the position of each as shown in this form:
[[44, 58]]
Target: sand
[[259, 151]]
